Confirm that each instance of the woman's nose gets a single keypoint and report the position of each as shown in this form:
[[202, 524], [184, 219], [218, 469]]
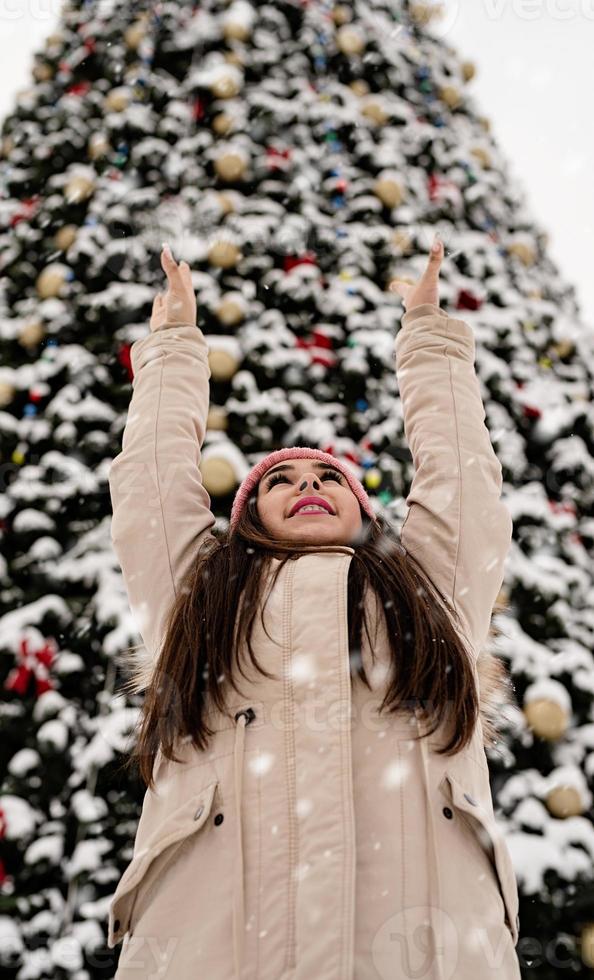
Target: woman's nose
[[314, 483]]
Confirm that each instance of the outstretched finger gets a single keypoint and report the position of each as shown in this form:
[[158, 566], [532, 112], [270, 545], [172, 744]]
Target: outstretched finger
[[169, 264], [434, 260], [436, 253]]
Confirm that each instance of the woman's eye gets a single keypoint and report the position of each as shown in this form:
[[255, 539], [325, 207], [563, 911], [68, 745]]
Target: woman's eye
[[330, 475]]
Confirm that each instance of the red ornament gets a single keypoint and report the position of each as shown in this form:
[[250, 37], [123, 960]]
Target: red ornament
[[443, 191], [289, 262], [321, 339], [32, 663], [531, 412], [468, 301], [198, 109], [316, 350], [79, 88], [278, 159], [27, 210]]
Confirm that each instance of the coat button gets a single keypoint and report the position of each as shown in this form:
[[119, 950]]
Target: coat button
[[447, 812], [116, 925], [468, 797], [219, 819], [199, 812]]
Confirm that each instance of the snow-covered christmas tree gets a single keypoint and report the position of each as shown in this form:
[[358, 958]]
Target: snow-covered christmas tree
[[298, 155]]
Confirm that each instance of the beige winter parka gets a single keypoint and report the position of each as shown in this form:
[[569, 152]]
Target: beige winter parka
[[315, 839]]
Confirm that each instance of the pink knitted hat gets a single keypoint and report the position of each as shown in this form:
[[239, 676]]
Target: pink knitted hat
[[252, 479]]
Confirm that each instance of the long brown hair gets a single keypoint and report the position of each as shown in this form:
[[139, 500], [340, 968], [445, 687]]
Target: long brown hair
[[431, 666]]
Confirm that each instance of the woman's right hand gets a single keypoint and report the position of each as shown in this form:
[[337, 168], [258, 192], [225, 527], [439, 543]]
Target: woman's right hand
[[178, 303], [426, 290]]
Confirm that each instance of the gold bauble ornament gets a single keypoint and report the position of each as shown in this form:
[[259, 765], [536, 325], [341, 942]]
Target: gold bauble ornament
[[563, 348], [224, 254], [230, 165], [57, 39], [222, 123], [65, 236], [118, 99], [98, 146], [226, 203], [135, 34], [350, 39], [235, 30], [547, 719], [218, 476], [217, 418], [374, 110], [52, 280], [234, 58], [231, 309], [423, 13], [587, 945], [402, 240], [79, 188], [7, 393], [42, 71], [564, 801], [341, 14], [523, 251], [223, 364], [7, 146], [468, 70], [32, 334], [359, 86], [227, 83], [482, 155], [451, 95], [389, 190]]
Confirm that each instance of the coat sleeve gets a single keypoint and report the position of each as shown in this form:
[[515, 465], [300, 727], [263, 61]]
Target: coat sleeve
[[160, 509], [456, 526]]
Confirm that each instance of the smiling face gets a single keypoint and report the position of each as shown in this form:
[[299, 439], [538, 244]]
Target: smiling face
[[285, 484]]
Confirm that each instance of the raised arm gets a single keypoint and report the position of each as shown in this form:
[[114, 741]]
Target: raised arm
[[457, 526], [161, 511]]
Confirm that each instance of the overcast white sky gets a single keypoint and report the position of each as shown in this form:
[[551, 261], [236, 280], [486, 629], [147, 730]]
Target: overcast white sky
[[534, 77]]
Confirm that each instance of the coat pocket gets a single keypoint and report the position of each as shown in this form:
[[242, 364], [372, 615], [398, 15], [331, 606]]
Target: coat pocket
[[493, 843], [184, 822]]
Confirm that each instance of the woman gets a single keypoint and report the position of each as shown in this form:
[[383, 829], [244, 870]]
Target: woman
[[318, 801]]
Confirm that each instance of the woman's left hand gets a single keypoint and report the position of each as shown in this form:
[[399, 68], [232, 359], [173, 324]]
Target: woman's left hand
[[426, 290]]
